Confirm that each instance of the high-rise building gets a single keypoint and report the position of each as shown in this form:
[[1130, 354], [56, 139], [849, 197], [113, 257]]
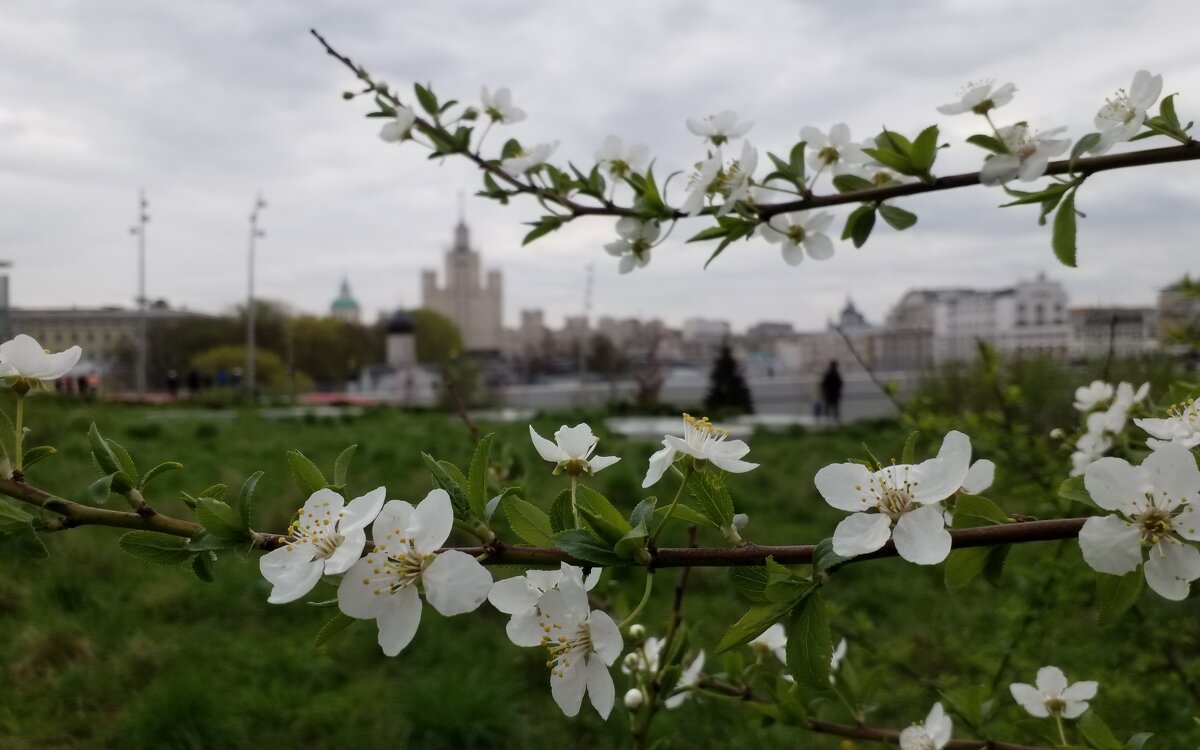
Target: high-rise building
[[471, 301]]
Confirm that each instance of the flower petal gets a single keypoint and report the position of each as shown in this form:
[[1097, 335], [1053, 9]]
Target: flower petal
[[861, 533], [577, 441], [513, 596], [732, 465], [979, 477], [391, 523], [347, 553], [596, 463], [292, 572], [1110, 545], [1116, 485], [1172, 470], [845, 486], [525, 629], [1171, 566], [456, 583], [356, 593], [545, 448], [1080, 691], [600, 687], [819, 246], [431, 522], [1051, 681], [399, 616], [921, 537], [362, 510], [1030, 699], [567, 685], [999, 168], [659, 463], [605, 635]]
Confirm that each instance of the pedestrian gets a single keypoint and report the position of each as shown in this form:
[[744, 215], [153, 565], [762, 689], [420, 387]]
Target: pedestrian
[[831, 392]]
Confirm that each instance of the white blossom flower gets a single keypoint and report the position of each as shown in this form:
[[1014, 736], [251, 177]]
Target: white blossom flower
[[799, 232], [646, 660], [1156, 509], [1089, 449], [572, 450], [719, 128], [1122, 116], [400, 127], [1028, 155], [772, 641], [701, 440], [384, 585], [980, 99], [637, 236], [909, 495], [24, 358], [518, 596], [934, 734], [1089, 397], [835, 149], [737, 178], [620, 160], [499, 106], [583, 643], [835, 660], [328, 537], [701, 184], [1180, 427], [515, 166], [1053, 696]]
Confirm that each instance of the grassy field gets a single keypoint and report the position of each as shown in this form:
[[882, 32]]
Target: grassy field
[[101, 651]]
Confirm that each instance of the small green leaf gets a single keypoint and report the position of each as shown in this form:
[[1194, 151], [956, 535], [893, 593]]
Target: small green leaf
[[216, 491], [896, 217], [33, 455], [908, 455], [1138, 741], [712, 499], [750, 581], [924, 149], [100, 489], [127, 466], [583, 545], [427, 100], [477, 494], [976, 510], [859, 224], [711, 233], [993, 571], [963, 565], [1083, 146], [341, 467], [307, 475], [1116, 594], [796, 159], [809, 645], [153, 548], [246, 497], [202, 541], [162, 468], [335, 625], [202, 566], [601, 515], [561, 517], [890, 159], [1074, 489], [528, 522], [220, 520], [753, 624], [849, 183], [101, 452], [446, 481], [1063, 237], [1097, 733], [542, 227], [995, 145], [824, 557]]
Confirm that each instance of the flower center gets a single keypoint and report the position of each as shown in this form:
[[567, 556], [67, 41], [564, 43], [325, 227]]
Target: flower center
[[895, 501], [796, 234], [1155, 524], [700, 433], [828, 155], [407, 568], [563, 648], [1055, 705], [327, 545]]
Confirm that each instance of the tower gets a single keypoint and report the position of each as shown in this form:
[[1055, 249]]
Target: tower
[[345, 307], [468, 296], [401, 342]]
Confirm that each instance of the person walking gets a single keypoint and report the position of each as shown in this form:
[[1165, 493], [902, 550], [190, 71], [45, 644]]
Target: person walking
[[831, 392]]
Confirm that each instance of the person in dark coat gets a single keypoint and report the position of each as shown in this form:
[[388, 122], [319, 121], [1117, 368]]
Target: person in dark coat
[[831, 392]]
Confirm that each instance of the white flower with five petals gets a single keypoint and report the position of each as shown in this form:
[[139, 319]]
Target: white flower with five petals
[[980, 99], [515, 166], [1089, 397], [719, 128], [701, 440], [1089, 449], [620, 160], [701, 185], [934, 734], [1028, 155], [637, 237], [24, 357], [572, 450], [738, 178], [834, 150], [499, 106], [1053, 696], [328, 537], [518, 596], [583, 643], [1155, 509], [385, 586], [1180, 427], [908, 495], [1122, 116], [400, 127], [798, 233]]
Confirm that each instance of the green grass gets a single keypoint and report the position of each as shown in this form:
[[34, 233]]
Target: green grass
[[101, 651]]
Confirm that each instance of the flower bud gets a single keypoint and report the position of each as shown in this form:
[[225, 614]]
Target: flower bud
[[632, 661], [1057, 434], [634, 699], [637, 632]]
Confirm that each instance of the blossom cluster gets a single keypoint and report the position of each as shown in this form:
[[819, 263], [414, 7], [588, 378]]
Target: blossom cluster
[[1105, 409]]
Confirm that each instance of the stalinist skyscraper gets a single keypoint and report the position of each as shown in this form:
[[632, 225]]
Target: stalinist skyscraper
[[473, 304]]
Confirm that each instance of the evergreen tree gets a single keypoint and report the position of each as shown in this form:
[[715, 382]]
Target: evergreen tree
[[727, 389]]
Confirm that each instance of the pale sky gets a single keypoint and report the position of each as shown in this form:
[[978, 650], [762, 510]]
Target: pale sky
[[205, 103]]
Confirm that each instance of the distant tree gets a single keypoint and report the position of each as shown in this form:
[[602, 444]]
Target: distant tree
[[727, 389], [438, 339], [269, 369]]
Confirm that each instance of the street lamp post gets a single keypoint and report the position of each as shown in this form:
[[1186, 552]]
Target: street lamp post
[[139, 231], [255, 235]]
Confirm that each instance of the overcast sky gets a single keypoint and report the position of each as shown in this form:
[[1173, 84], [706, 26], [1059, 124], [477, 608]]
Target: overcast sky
[[205, 103]]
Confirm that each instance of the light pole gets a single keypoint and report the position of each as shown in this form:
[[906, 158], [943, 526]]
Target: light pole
[[255, 234], [139, 231]]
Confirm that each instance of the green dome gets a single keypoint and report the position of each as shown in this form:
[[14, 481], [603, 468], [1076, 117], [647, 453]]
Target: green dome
[[345, 302]]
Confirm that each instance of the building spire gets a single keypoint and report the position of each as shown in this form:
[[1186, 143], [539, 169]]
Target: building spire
[[462, 235]]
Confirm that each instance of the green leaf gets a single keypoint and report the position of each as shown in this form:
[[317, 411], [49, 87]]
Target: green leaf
[[583, 545], [1097, 733], [33, 455], [13, 519], [890, 159], [685, 514], [561, 517], [991, 143], [1166, 110], [246, 496], [963, 565], [220, 520], [976, 510], [162, 468], [1074, 489], [896, 217], [443, 479], [968, 703], [127, 466], [477, 494], [216, 491], [341, 467], [859, 224], [712, 499], [528, 522], [202, 566], [924, 149], [809, 645], [601, 515], [153, 548], [1062, 239], [849, 183], [711, 233], [335, 625], [1116, 594], [1053, 192], [643, 513], [1081, 147], [542, 227], [796, 158], [427, 100], [1138, 741], [632, 545], [307, 475], [202, 541], [101, 452], [824, 557], [750, 581], [754, 623], [100, 489], [908, 455], [994, 570], [895, 142]]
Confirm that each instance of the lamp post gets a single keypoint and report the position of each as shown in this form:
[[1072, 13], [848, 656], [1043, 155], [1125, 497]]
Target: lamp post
[[139, 231], [255, 235]]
